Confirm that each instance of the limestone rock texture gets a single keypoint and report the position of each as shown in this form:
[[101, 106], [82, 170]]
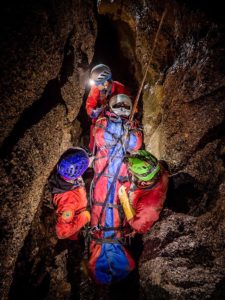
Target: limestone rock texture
[[183, 120], [46, 48]]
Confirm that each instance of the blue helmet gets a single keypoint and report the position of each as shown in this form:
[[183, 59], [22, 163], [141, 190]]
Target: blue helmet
[[73, 163]]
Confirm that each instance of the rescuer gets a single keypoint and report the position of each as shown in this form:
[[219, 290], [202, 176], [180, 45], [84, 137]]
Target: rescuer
[[69, 194], [143, 201], [103, 88]]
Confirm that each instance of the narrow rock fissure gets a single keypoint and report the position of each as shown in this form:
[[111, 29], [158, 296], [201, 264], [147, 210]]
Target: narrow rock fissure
[[68, 60]]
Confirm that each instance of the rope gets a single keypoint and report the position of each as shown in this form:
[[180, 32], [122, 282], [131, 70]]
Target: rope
[[146, 71]]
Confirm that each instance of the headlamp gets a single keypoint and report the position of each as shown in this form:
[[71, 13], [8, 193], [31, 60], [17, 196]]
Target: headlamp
[[91, 82]]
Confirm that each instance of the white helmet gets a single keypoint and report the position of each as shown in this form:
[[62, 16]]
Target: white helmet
[[100, 74], [121, 105]]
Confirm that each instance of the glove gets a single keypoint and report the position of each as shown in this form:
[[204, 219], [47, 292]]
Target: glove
[[127, 125], [96, 112], [86, 215], [127, 208]]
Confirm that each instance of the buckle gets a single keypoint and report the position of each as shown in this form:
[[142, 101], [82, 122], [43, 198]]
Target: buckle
[[94, 229]]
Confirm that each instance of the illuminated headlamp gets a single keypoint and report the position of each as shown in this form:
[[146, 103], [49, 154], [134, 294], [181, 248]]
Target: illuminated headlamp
[[97, 83], [91, 82], [100, 82]]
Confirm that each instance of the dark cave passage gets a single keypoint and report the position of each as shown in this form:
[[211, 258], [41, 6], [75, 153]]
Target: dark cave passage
[[114, 45]]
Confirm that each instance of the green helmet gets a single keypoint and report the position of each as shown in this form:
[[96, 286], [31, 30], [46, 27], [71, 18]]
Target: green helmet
[[143, 165]]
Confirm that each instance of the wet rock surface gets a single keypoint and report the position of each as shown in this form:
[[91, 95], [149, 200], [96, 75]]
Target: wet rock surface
[[42, 84]]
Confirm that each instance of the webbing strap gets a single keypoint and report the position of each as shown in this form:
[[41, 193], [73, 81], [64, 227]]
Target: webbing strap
[[123, 241], [108, 193], [96, 229], [105, 174], [107, 204], [103, 228]]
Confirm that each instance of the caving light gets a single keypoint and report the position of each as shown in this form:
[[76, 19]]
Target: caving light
[[91, 82]]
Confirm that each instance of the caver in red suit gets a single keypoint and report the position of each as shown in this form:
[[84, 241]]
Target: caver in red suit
[[102, 90], [144, 200], [110, 261], [98, 98], [69, 196]]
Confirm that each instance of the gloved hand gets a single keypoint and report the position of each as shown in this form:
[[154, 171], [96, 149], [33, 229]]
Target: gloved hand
[[86, 215], [127, 125], [96, 112], [130, 125], [124, 200]]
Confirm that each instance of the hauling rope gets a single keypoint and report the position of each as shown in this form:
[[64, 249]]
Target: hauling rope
[[148, 64]]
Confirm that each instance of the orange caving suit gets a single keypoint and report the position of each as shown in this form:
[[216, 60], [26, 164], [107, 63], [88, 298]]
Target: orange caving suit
[[71, 206]]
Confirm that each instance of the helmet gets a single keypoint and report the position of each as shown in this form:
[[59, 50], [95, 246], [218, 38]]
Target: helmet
[[73, 163], [121, 105], [143, 165], [100, 74]]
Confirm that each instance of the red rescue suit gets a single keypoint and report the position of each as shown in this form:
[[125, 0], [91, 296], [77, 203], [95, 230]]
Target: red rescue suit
[[71, 204], [148, 202], [97, 98]]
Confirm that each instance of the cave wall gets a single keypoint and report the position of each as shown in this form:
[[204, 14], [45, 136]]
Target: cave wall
[[46, 48], [183, 120]]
